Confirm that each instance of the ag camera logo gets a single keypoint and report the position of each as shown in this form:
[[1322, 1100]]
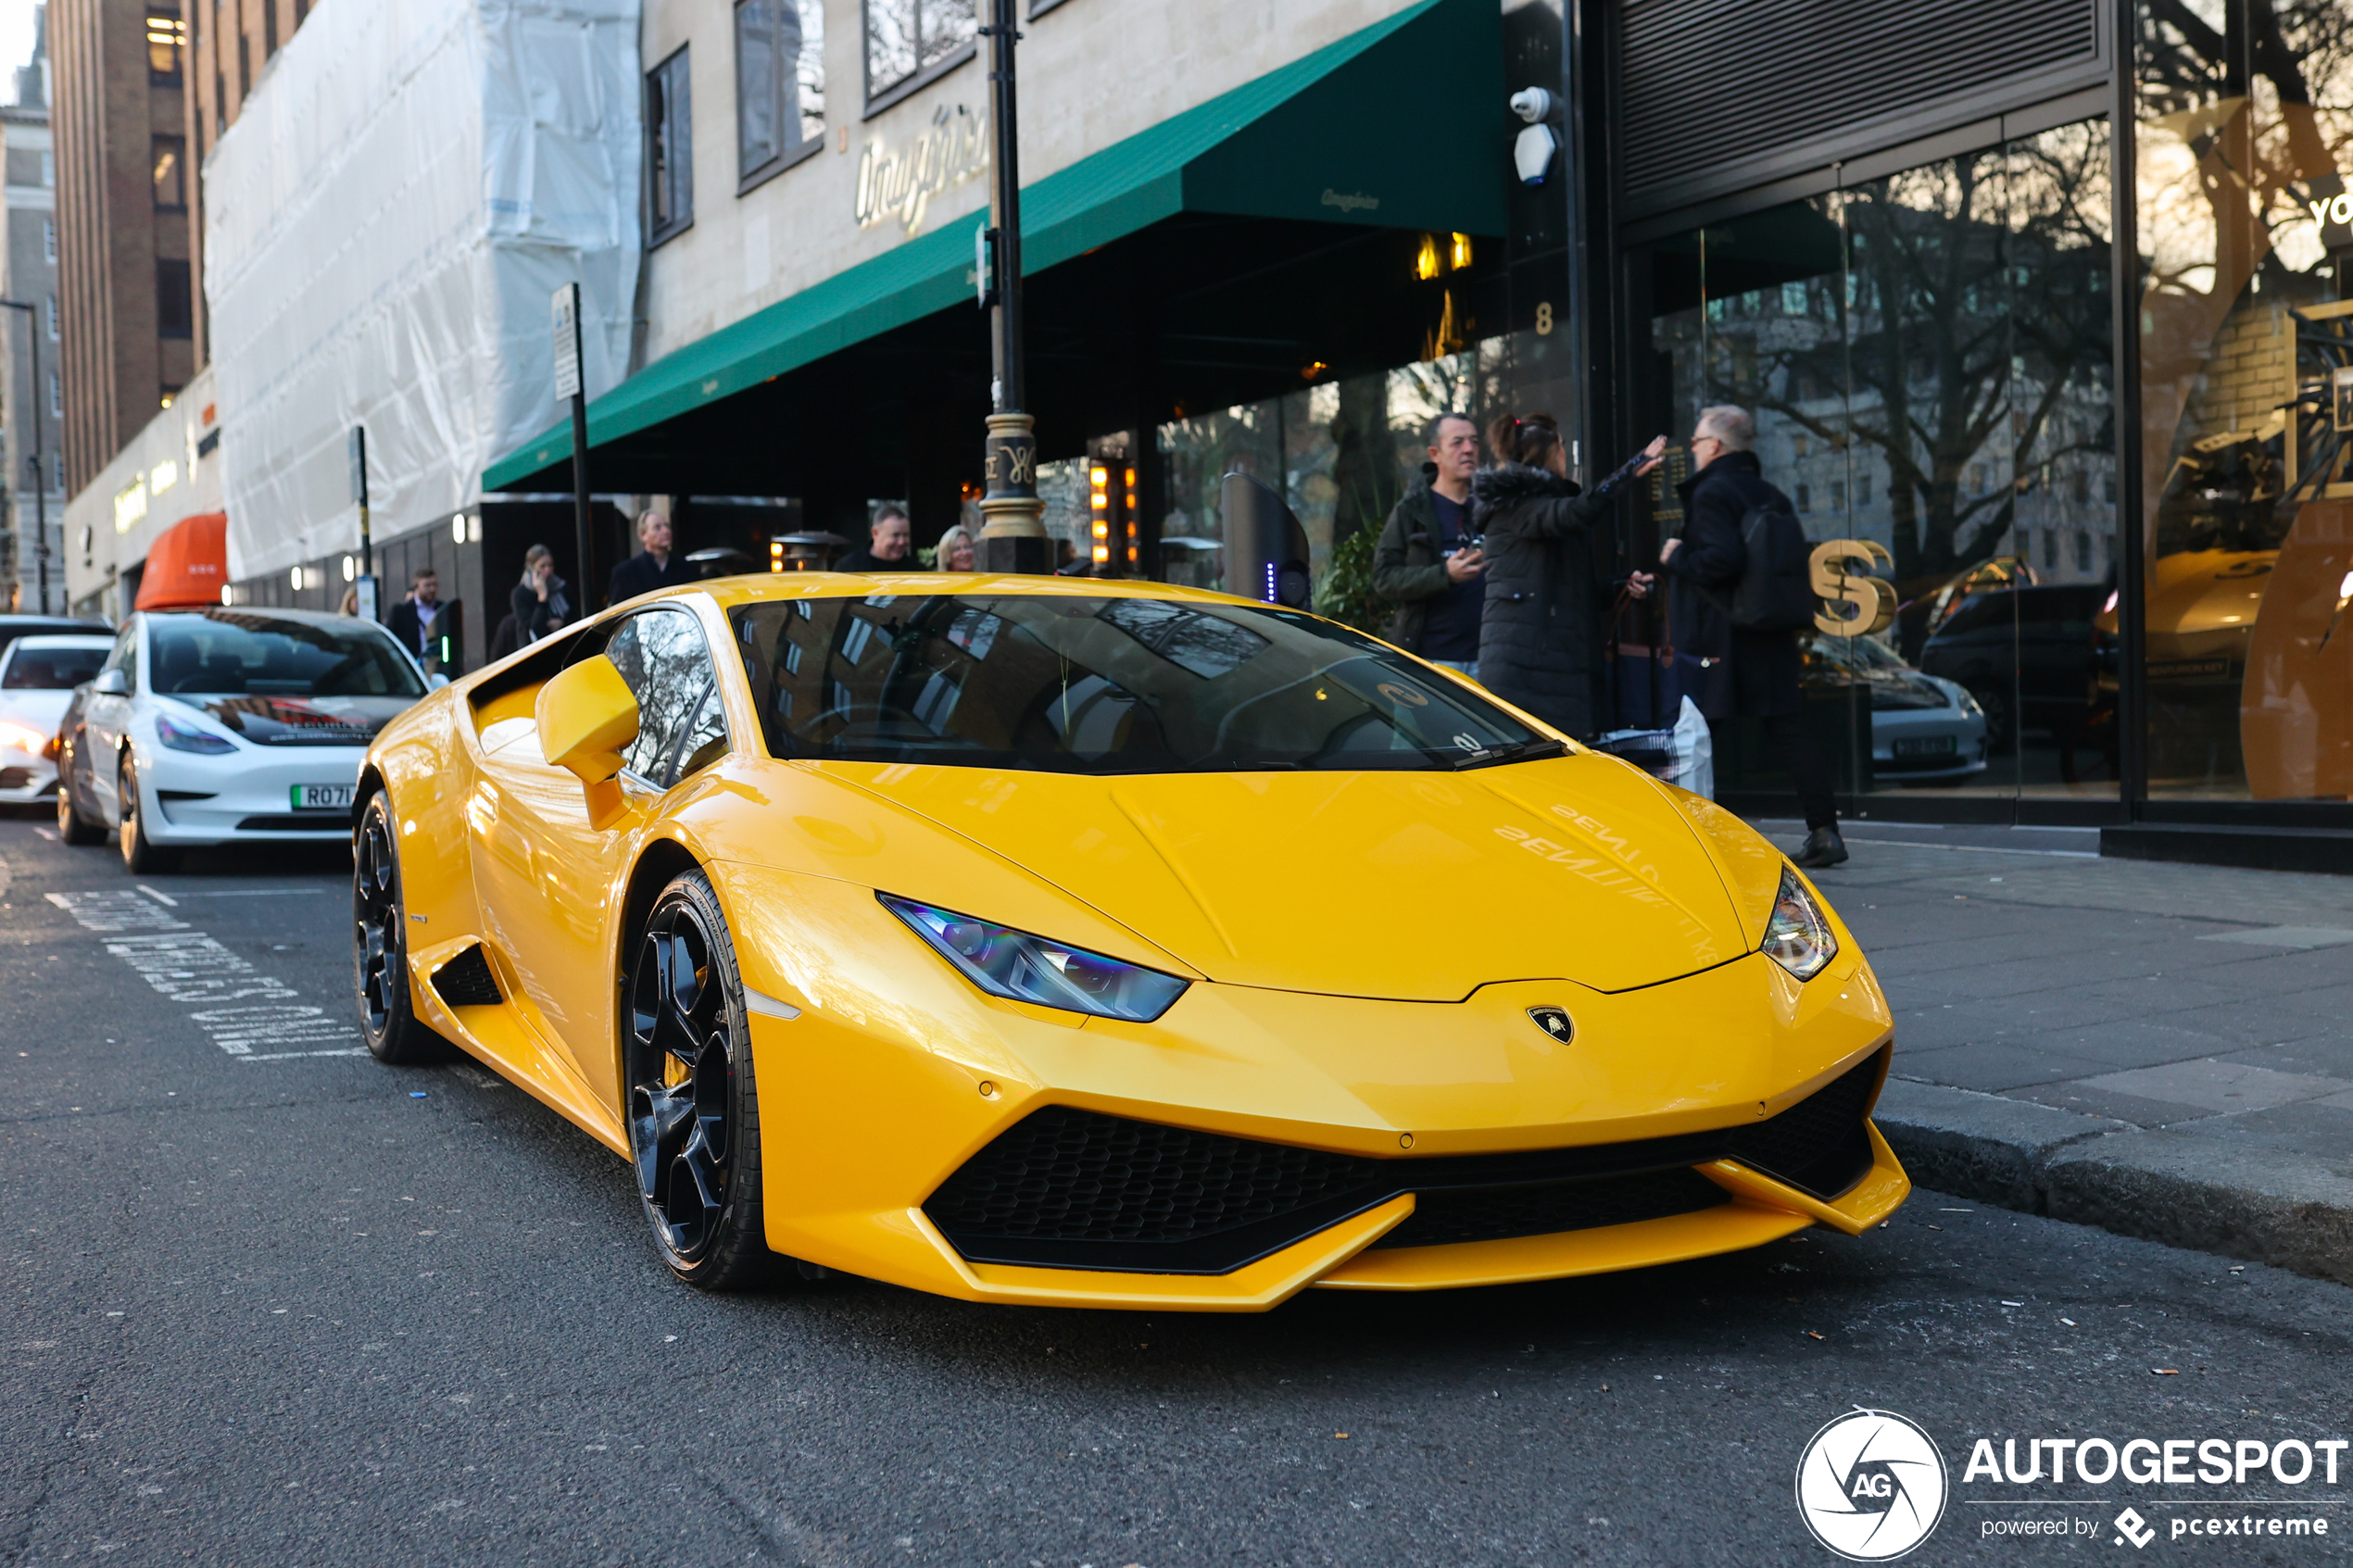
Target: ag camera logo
[[1872, 1485]]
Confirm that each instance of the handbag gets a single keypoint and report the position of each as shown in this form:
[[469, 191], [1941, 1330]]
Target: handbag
[[1642, 674]]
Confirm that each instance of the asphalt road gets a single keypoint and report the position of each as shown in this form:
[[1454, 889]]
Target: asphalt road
[[267, 1306]]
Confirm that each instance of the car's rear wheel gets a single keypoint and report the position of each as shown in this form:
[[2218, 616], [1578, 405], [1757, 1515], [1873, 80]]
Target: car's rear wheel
[[694, 1110], [380, 947], [141, 855], [72, 826]]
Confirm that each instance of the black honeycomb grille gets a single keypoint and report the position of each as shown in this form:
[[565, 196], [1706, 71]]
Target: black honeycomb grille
[[466, 981], [1549, 1208], [1069, 1188]]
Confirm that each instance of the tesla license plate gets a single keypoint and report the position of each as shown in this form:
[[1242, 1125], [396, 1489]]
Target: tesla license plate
[[1909, 745], [322, 798]]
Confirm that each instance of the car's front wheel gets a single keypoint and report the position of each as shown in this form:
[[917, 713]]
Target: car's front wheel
[[138, 853], [72, 826], [379, 947], [694, 1110]]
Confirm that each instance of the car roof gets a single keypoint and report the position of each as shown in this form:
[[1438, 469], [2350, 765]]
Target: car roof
[[785, 586], [60, 640], [22, 624], [241, 614]]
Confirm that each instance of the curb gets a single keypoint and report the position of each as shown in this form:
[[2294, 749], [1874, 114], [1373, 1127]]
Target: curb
[[2183, 1189]]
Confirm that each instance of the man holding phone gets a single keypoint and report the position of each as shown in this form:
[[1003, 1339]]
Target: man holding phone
[[1428, 563]]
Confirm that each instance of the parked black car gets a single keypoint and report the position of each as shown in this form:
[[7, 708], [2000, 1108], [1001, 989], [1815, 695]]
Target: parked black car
[[2026, 654]]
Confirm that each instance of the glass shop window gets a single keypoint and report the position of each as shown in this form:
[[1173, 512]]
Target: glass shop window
[[780, 84]]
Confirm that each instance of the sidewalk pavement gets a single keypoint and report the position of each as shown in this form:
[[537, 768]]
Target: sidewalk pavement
[[2163, 1050]]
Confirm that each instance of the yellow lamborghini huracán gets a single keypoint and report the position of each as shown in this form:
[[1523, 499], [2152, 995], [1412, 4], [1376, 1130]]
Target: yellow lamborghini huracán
[[1107, 944]]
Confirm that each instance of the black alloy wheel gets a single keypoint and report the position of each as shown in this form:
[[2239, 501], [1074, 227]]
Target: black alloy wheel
[[142, 857], [694, 1118], [380, 947], [2001, 717], [72, 826]]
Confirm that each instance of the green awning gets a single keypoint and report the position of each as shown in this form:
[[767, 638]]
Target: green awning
[[1399, 125]]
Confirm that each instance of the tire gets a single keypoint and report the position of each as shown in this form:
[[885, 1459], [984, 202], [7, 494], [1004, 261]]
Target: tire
[[142, 857], [72, 826], [379, 947], [694, 1109], [2001, 717]]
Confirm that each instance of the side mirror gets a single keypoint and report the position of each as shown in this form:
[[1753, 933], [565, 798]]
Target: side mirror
[[585, 715], [110, 683]]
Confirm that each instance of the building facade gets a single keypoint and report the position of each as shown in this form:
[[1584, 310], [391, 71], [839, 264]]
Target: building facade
[[2046, 298], [230, 44], [32, 408], [125, 280]]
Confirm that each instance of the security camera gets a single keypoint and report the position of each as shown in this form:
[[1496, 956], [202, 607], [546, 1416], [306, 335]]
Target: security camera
[[1532, 104], [1532, 152]]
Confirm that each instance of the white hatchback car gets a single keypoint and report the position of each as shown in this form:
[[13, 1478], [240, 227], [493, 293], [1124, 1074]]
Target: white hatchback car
[[220, 725], [37, 678]]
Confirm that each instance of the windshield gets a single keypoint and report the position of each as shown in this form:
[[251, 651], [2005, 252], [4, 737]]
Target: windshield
[[33, 668], [1103, 686], [229, 652]]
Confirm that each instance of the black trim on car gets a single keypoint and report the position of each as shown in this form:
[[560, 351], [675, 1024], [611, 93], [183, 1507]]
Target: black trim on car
[[1078, 1189]]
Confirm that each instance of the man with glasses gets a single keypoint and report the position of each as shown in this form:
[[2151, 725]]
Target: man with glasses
[[1735, 672]]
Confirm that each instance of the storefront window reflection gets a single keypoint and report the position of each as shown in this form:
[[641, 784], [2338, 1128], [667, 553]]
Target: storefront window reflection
[[2247, 396], [1928, 358]]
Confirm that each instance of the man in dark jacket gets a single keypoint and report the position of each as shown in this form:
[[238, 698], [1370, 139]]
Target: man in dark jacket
[[425, 625], [653, 567], [1729, 671], [1425, 563], [890, 546]]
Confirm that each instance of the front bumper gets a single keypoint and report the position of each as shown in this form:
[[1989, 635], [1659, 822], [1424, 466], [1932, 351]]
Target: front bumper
[[1890, 761], [1390, 1135], [195, 799], [25, 776]]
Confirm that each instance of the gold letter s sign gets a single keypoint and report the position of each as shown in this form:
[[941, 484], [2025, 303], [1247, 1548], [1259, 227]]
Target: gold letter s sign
[[1854, 604]]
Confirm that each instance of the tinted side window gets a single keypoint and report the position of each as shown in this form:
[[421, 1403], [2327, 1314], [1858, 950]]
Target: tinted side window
[[681, 727]]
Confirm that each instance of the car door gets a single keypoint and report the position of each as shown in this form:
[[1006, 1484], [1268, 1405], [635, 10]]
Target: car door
[[551, 880], [106, 720]]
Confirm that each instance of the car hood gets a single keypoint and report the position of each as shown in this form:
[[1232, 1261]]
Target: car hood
[[39, 709], [1418, 887], [302, 720]]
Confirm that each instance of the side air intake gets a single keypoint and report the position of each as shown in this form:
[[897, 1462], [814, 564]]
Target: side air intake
[[466, 981]]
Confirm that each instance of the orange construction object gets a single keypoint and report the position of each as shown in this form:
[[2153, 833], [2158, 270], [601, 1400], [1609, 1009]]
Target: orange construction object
[[187, 565]]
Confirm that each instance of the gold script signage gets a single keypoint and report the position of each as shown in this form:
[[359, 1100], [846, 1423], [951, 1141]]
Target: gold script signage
[[898, 184]]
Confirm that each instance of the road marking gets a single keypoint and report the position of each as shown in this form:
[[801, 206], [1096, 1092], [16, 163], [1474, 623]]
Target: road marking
[[192, 967], [116, 911], [2306, 938], [164, 899], [49, 833], [1974, 849]]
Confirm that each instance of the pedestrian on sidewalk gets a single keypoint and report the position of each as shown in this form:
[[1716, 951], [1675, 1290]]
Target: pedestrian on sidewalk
[[1540, 638], [1735, 672], [1427, 562], [541, 600], [420, 620], [890, 545], [654, 566], [956, 551]]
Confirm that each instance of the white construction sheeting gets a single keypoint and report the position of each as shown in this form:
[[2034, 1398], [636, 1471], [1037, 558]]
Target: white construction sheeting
[[384, 226]]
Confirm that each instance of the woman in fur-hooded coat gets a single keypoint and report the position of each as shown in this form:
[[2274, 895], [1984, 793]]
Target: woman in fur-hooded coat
[[1547, 589]]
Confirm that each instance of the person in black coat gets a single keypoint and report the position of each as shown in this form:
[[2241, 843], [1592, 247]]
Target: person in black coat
[[1729, 671], [1540, 637], [541, 601], [654, 566]]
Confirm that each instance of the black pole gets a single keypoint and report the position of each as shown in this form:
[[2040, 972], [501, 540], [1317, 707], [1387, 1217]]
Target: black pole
[[40, 486], [1012, 537]]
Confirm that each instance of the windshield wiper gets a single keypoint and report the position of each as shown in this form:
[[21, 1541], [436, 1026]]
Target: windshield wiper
[[1522, 751]]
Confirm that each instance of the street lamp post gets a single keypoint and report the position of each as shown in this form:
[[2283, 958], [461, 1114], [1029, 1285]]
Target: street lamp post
[[39, 479], [1012, 536]]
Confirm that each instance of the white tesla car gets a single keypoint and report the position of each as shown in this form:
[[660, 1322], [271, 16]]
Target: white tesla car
[[220, 725], [37, 678]]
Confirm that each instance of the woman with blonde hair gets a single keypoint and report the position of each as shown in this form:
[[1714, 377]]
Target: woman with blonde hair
[[956, 552]]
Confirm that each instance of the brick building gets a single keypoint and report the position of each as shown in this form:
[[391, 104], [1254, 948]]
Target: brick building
[[123, 188]]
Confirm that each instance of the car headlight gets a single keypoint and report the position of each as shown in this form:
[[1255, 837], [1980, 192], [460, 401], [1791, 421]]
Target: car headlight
[[23, 738], [187, 737], [1005, 962], [1798, 936], [1968, 701]]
